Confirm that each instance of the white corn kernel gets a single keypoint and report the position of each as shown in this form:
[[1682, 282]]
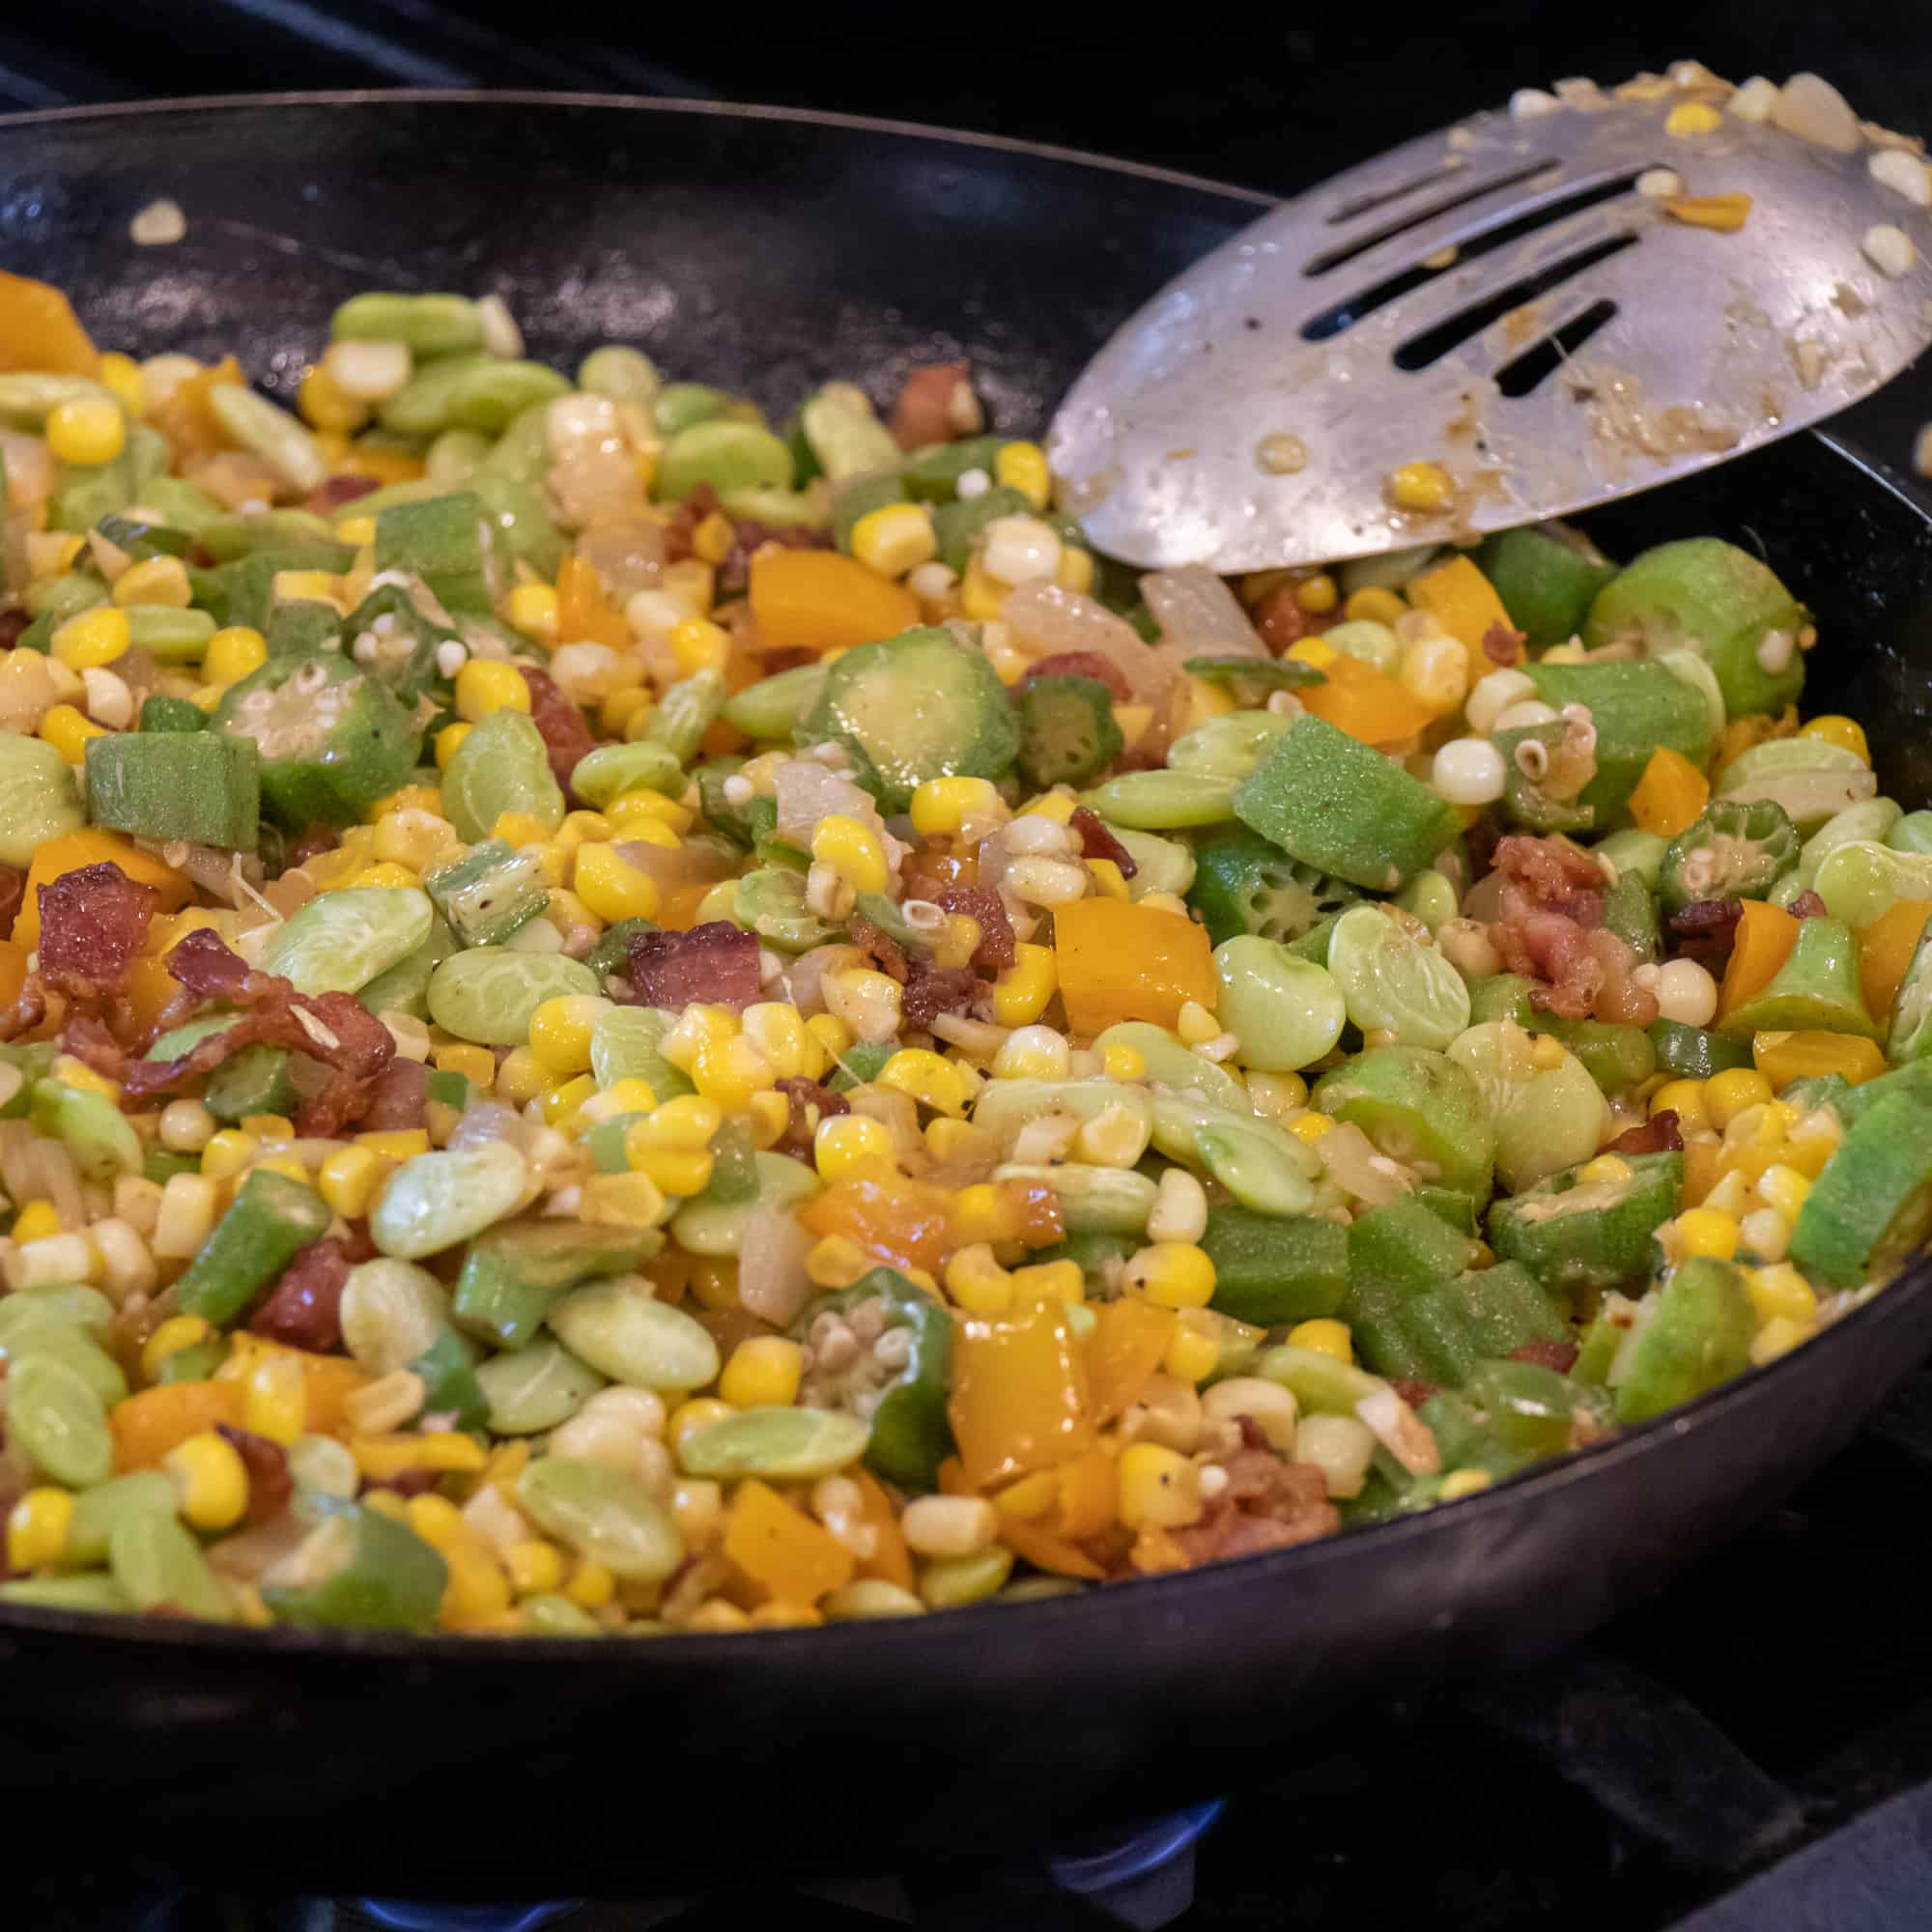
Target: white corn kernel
[[127, 1268], [109, 701], [1888, 249], [972, 483], [386, 1404], [1756, 100], [1180, 1211], [186, 1215], [1904, 173], [1686, 993], [1046, 882], [1654, 183], [1533, 711], [368, 372], [500, 334], [1468, 771], [1766, 1233], [1019, 549], [949, 1525], [187, 1126], [1491, 695], [51, 1260], [1033, 835], [1265, 1403]]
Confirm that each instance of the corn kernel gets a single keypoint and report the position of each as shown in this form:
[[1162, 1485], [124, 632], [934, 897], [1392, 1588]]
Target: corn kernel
[[927, 1077], [1461, 1483], [36, 1221], [1847, 733], [698, 644], [1173, 1274], [672, 1173], [38, 1526], [1605, 1167], [1049, 1281], [1778, 1337], [832, 1034], [476, 1063], [228, 1152], [1783, 1188], [628, 704], [1026, 988], [1193, 1354], [851, 850], [982, 595], [1686, 1099], [87, 430], [533, 611], [730, 1071], [93, 639], [1706, 1231], [1373, 605], [560, 1031], [397, 1143], [1075, 569], [176, 1333], [1023, 467], [535, 1567], [626, 1200], [845, 1141], [357, 530], [1197, 1026], [1160, 1488], [1728, 1093], [894, 538], [1424, 488], [764, 1372], [485, 685], [611, 886], [348, 1178], [1318, 595], [447, 740], [274, 1398], [121, 375], [1691, 117], [305, 587], [154, 579], [210, 1479], [1324, 1337], [232, 653], [561, 1105], [1780, 1291], [388, 875], [777, 1032], [835, 1260], [284, 1164], [1310, 1126], [324, 405]]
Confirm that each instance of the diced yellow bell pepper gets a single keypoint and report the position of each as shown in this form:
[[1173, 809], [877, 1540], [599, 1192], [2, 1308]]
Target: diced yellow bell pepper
[[1123, 961], [1020, 1395], [1130, 1338], [149, 1424], [1765, 936], [1670, 794], [72, 850], [1885, 950], [40, 330], [818, 600], [781, 1549], [1461, 600], [585, 614], [1359, 699], [1784, 1057]]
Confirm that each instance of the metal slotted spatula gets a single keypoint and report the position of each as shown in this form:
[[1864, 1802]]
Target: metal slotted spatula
[[1522, 315]]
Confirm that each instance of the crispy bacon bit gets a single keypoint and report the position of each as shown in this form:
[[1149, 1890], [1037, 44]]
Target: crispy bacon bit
[[401, 1094], [1551, 929], [27, 1008], [303, 1308], [931, 408], [1558, 1355], [716, 963], [93, 921], [1096, 665], [810, 1103], [788, 659], [1413, 1391], [1097, 842], [1808, 905], [315, 840], [983, 905], [1265, 1504], [932, 991], [1282, 621], [353, 1044], [1502, 645], [327, 497], [567, 736], [12, 624], [1659, 1134], [883, 953], [1705, 931], [1555, 875], [270, 1483], [359, 1244]]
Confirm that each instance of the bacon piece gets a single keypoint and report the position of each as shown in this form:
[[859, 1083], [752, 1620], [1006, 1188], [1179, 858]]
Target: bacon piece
[[1558, 1355], [716, 963], [932, 991], [883, 953], [1097, 842], [1412, 1390], [355, 1045], [1503, 645], [399, 1098], [925, 413], [303, 1308], [1267, 1504], [1706, 930], [270, 1483], [13, 891], [810, 1103], [327, 497], [1096, 665], [93, 922], [315, 840], [566, 737], [1282, 621], [982, 904], [1808, 905], [1659, 1134], [788, 659], [1554, 875], [359, 1244], [12, 623]]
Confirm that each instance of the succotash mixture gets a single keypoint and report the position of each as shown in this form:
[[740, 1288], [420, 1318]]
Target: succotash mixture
[[624, 1019]]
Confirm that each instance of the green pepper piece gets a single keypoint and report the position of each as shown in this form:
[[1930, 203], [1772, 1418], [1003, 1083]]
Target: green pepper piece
[[1418, 1107], [361, 1570], [1246, 884], [269, 1222], [1872, 1205], [203, 786], [903, 1394], [256, 1081], [1528, 1406], [143, 538], [862, 1062], [333, 740], [162, 713], [1817, 988], [439, 540], [1464, 1440], [1337, 803], [489, 893], [956, 525], [1574, 1233], [1692, 1332], [1711, 597], [512, 1275], [1732, 851], [1629, 912], [448, 1370], [1548, 575], [842, 436], [1634, 708], [1482, 1312], [933, 475], [1068, 733], [195, 1363], [1271, 1268], [725, 454], [1695, 1053]]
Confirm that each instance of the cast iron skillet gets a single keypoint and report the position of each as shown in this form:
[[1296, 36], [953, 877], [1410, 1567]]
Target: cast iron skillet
[[767, 251]]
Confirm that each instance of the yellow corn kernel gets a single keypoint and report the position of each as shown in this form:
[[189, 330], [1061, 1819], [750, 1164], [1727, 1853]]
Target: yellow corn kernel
[[210, 1479], [1023, 467], [86, 430], [228, 1152], [1193, 1354], [397, 1143], [560, 1031], [1461, 1483], [93, 639], [1607, 1167], [698, 644], [711, 540], [978, 1283], [693, 582], [560, 1105], [1049, 1281], [442, 1452], [980, 596], [406, 798], [894, 538], [348, 1178], [1545, 1054], [1425, 488], [485, 685], [1310, 1126], [1780, 1291], [553, 856], [845, 1141], [1692, 117], [580, 826], [154, 579], [1197, 1026], [1121, 1061], [121, 375], [232, 653], [323, 405], [413, 838], [51, 553], [1373, 604], [269, 1129], [535, 1567], [1318, 595], [927, 1077], [1173, 1274], [1435, 673], [764, 1372], [591, 1586], [284, 1164], [305, 586], [771, 1114], [620, 707], [1058, 805], [832, 1034], [627, 1096], [36, 1221], [1728, 1093], [38, 1526], [851, 850], [611, 886], [1783, 1188], [1324, 1337], [1279, 1095], [446, 741], [625, 1200], [1026, 988], [1108, 877], [176, 1333], [1686, 1099], [1706, 1231], [777, 1032], [685, 1124], [533, 610], [1075, 569], [357, 530], [476, 1063], [1834, 729], [634, 809], [682, 1175], [389, 874], [835, 1260], [1160, 1488], [1778, 1337], [730, 1071], [274, 1398]]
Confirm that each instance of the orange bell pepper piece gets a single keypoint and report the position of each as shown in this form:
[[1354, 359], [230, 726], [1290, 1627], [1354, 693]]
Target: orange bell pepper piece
[[585, 614], [1765, 937], [327, 1381], [73, 849], [187, 421], [1885, 950], [1703, 1167], [1784, 1057], [1670, 794], [1130, 1338], [818, 600], [791, 1558], [891, 1562], [40, 330], [1047, 1551], [1122, 961], [1090, 1494], [1461, 600], [1019, 1395], [1366, 703], [899, 1220], [148, 1423]]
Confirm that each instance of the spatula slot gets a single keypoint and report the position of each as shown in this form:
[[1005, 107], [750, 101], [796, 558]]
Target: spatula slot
[[1347, 252], [1521, 375]]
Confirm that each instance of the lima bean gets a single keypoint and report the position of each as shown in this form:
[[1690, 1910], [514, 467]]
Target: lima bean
[[1166, 1061], [436, 1200], [1229, 747], [624, 1046], [95, 1511], [75, 1348], [1092, 1200], [773, 707], [433, 325], [392, 1311], [611, 770], [623, 373], [1872, 821], [1161, 864], [168, 636], [1545, 1119], [92, 1128], [39, 798], [953, 1582], [58, 1421], [488, 395], [157, 1563], [502, 765], [604, 1514], [489, 993], [536, 1388], [1163, 801], [1254, 1169], [623, 1331], [1392, 980], [782, 1445], [1862, 881], [340, 941], [1286, 1013], [265, 429], [705, 1227]]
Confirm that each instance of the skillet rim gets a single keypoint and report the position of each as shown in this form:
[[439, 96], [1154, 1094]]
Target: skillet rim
[[961, 1628]]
